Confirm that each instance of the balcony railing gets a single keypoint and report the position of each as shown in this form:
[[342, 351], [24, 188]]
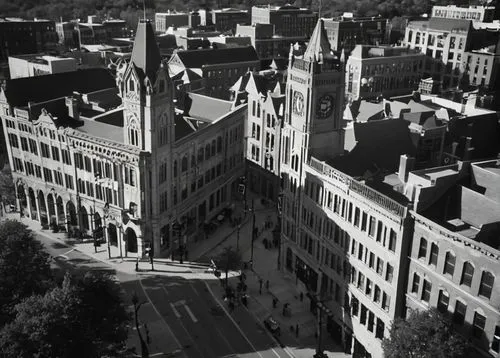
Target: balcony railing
[[359, 188]]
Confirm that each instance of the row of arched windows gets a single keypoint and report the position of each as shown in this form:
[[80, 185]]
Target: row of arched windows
[[467, 273]]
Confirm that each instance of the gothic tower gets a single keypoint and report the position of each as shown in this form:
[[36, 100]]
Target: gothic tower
[[148, 110], [315, 97]]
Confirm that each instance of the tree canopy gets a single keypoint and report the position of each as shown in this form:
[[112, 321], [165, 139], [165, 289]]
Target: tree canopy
[[78, 319], [7, 186], [24, 266], [425, 334]]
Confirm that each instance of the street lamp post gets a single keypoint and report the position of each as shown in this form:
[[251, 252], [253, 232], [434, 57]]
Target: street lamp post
[[106, 236], [238, 237], [253, 233]]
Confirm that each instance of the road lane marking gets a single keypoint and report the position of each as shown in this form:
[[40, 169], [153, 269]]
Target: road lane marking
[[232, 320], [175, 310], [67, 252], [159, 315], [190, 313]]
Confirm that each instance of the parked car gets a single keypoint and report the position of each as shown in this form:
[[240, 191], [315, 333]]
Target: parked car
[[272, 325]]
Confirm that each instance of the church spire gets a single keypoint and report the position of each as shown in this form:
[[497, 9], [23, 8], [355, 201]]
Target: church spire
[[318, 46], [146, 54]]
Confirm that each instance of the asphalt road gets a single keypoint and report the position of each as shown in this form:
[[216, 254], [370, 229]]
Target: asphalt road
[[182, 316]]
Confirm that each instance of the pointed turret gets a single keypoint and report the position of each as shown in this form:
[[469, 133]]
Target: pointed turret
[[319, 46], [146, 54]]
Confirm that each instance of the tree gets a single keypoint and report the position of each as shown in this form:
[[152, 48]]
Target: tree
[[24, 267], [7, 189], [424, 334], [229, 259], [68, 321]]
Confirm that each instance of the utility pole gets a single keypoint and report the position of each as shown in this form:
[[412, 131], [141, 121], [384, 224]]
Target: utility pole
[[238, 237], [253, 232]]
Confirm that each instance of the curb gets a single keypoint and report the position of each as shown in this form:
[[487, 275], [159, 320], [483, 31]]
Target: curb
[[223, 240]]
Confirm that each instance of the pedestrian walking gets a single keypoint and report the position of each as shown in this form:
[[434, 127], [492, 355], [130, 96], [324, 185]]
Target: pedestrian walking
[[296, 330], [260, 286]]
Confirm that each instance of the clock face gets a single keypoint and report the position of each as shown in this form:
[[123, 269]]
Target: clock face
[[325, 106], [298, 103]]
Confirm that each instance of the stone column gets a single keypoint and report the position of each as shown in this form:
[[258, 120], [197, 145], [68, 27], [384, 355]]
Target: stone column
[[28, 201], [37, 200]]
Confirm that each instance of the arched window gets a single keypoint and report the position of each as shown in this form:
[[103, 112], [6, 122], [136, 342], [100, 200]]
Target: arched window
[[434, 254], [213, 147], [449, 264], [443, 301], [422, 250], [184, 164], [207, 151], [219, 144], [467, 274], [487, 281]]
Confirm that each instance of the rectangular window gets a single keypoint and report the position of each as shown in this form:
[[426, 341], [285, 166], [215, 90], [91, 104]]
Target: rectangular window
[[486, 286], [380, 265], [371, 321], [371, 261], [360, 252], [478, 325], [363, 221], [361, 281], [379, 332], [386, 301], [356, 217], [371, 228], [369, 284], [58, 178], [426, 291], [460, 311], [47, 174], [362, 317], [354, 306], [33, 146], [390, 273], [55, 153], [376, 295], [422, 251], [24, 144], [416, 283], [392, 240], [45, 150], [495, 344]]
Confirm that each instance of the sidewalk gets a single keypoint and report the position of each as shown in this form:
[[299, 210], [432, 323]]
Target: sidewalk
[[282, 286]]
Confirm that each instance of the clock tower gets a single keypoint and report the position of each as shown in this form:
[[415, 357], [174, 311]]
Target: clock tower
[[315, 97]]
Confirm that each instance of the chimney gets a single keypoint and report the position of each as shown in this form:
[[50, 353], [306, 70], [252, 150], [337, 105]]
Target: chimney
[[454, 146], [406, 164], [72, 104], [468, 148]]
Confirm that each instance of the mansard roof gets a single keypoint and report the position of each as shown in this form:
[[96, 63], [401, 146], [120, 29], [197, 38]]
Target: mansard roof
[[20, 91], [145, 53]]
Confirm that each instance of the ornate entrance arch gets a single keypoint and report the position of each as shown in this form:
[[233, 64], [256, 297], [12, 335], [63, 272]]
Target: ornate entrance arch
[[60, 211], [44, 219], [51, 208], [71, 210], [131, 240], [33, 204], [84, 219], [112, 235]]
